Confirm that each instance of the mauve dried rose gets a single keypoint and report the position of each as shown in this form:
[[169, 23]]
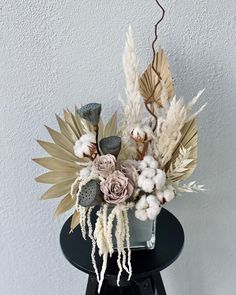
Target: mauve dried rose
[[104, 165], [117, 188]]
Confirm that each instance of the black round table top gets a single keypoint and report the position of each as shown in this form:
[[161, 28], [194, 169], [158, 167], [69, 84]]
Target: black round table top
[[169, 244]]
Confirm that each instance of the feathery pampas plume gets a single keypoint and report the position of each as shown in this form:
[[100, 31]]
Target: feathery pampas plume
[[133, 103], [169, 133]]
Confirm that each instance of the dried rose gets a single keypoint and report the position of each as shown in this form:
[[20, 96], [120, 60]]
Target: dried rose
[[104, 165], [130, 170], [117, 188]]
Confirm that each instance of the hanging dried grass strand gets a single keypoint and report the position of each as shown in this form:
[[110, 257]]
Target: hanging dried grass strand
[[124, 254], [111, 219], [83, 212], [102, 275], [127, 237], [119, 244], [90, 234]]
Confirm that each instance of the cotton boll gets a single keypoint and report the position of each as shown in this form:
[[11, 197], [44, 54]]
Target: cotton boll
[[148, 159], [169, 195], [88, 137], [142, 165], [149, 172], [85, 172], [160, 196], [142, 203], [160, 179], [141, 179], [78, 150], [153, 164], [148, 185], [152, 201], [141, 215], [85, 146], [152, 212]]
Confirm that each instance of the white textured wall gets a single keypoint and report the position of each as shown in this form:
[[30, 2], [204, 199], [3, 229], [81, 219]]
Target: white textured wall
[[55, 54]]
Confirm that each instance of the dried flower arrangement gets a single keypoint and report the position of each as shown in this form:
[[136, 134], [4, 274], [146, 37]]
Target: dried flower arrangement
[[138, 166]]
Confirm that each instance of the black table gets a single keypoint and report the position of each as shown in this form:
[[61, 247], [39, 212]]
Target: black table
[[146, 264]]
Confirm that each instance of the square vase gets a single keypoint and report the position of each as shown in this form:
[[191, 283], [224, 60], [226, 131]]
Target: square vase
[[142, 233]]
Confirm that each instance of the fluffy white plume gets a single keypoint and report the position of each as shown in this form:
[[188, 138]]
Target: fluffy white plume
[[132, 104], [169, 133]]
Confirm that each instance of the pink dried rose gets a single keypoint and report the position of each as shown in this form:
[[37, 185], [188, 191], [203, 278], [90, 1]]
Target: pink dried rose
[[117, 188], [130, 170], [104, 165]]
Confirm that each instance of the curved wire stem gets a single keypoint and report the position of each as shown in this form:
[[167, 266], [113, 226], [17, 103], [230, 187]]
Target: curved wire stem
[[153, 66]]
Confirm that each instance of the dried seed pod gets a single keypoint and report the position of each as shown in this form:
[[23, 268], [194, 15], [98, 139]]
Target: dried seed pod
[[91, 112], [111, 145], [90, 194]]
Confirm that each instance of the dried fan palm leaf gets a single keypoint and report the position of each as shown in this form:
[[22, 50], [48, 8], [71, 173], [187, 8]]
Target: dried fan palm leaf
[[149, 79], [66, 204], [63, 164], [75, 221], [188, 140]]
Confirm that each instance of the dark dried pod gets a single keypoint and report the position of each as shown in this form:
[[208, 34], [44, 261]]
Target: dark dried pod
[[91, 112], [90, 194], [111, 145]]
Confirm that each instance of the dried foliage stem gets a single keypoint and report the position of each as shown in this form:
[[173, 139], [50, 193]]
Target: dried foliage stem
[[96, 129], [153, 66]]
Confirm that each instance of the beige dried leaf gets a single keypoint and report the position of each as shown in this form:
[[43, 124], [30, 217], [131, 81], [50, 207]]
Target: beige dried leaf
[[57, 176], [56, 151], [56, 164], [149, 79], [66, 204], [188, 140], [111, 126], [60, 139], [100, 129], [66, 130], [58, 190], [75, 221]]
